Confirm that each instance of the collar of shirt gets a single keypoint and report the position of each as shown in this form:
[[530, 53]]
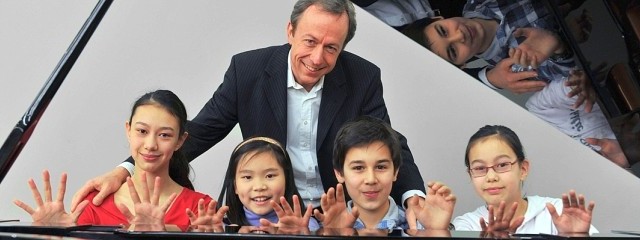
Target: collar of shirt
[[395, 217], [254, 219]]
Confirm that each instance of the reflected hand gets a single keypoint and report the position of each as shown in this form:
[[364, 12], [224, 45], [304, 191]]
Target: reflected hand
[[49, 211], [580, 26], [501, 76], [287, 217], [147, 208], [610, 149], [538, 46], [575, 216], [208, 218], [501, 220], [334, 208], [581, 86]]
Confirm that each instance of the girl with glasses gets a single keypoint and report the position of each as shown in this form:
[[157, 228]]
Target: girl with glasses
[[497, 167]]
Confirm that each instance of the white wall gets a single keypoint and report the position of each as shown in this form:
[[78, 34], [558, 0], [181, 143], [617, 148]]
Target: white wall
[[186, 46]]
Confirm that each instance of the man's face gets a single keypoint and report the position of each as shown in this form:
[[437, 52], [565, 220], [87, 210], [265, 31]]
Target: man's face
[[456, 39], [316, 43]]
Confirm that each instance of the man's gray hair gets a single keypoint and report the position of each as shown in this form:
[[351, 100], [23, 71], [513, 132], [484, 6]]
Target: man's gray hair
[[332, 6]]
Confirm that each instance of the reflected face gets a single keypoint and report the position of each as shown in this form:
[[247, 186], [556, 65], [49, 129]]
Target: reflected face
[[153, 135], [457, 39], [259, 179], [495, 187], [368, 176], [316, 43]]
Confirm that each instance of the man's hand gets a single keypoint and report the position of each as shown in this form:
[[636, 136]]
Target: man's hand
[[501, 76], [107, 184]]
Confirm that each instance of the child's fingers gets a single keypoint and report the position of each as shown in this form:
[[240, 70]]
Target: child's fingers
[[491, 215], [24, 206], [277, 208], [511, 211], [62, 188], [592, 205], [339, 193], [169, 201], [297, 210], [191, 215], [331, 197], [46, 180], [132, 191], [318, 215], [552, 211], [144, 192], [307, 214], [75, 214], [36, 193], [155, 196], [285, 206], [211, 208], [125, 211], [483, 224], [267, 223], [221, 212], [324, 204]]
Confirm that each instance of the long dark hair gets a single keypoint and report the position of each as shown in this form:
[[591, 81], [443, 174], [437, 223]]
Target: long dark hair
[[504, 133], [178, 165], [236, 214]]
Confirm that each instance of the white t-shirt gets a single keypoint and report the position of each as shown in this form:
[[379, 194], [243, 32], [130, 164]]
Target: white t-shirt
[[552, 105], [537, 219]]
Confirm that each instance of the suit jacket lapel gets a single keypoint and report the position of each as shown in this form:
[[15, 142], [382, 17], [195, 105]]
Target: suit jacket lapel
[[333, 96], [276, 88]]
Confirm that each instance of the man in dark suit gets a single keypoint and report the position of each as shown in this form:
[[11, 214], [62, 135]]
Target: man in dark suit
[[300, 94]]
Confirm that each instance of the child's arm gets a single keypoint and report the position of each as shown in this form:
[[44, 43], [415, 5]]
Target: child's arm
[[575, 216], [438, 207], [289, 218], [208, 219], [334, 210], [50, 211]]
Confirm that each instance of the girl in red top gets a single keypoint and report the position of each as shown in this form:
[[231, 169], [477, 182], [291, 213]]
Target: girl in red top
[[164, 195]]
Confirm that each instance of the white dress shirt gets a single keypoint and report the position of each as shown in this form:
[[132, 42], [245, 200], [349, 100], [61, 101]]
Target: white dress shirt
[[302, 128]]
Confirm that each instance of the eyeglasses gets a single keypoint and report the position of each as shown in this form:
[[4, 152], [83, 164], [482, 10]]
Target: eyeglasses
[[499, 168]]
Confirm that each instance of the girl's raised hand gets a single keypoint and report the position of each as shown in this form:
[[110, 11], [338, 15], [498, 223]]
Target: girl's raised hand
[[501, 220], [49, 211], [208, 217], [575, 216], [147, 209], [334, 210], [438, 207], [289, 218]]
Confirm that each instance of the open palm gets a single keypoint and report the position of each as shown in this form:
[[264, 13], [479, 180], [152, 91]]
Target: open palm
[[47, 210]]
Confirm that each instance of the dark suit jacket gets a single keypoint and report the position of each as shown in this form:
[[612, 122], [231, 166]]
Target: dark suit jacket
[[254, 94]]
